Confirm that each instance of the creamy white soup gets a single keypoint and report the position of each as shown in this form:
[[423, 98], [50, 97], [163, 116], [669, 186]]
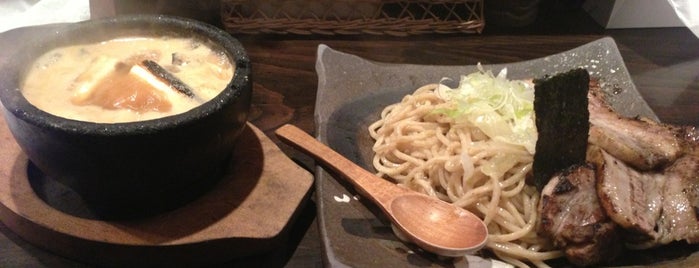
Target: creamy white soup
[[127, 79]]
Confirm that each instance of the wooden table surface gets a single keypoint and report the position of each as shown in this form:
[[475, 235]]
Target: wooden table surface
[[664, 65]]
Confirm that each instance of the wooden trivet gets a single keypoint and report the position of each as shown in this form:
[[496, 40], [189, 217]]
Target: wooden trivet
[[246, 213]]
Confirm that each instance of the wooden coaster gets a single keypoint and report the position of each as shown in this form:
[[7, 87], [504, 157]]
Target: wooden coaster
[[246, 213]]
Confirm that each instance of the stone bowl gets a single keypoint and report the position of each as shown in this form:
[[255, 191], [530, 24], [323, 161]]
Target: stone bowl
[[134, 169]]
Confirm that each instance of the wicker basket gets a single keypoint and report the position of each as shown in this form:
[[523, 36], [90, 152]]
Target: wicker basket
[[330, 17]]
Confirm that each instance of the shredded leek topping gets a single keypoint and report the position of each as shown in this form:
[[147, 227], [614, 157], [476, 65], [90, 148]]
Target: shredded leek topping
[[502, 109]]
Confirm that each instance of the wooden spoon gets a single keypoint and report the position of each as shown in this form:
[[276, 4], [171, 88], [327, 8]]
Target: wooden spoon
[[432, 224]]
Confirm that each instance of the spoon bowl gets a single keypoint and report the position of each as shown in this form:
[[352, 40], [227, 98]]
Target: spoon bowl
[[432, 224], [437, 226]]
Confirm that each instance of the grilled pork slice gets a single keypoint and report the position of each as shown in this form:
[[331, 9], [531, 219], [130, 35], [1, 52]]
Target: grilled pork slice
[[654, 208], [647, 174], [631, 198], [641, 143], [640, 185], [679, 219], [573, 219]]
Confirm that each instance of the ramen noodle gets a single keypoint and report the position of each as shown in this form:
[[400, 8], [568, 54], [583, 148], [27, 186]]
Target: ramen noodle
[[473, 147]]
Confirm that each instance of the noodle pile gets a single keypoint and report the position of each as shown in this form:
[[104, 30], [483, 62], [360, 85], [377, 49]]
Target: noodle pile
[[439, 155]]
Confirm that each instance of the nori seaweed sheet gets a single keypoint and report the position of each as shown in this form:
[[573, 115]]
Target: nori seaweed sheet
[[562, 123]]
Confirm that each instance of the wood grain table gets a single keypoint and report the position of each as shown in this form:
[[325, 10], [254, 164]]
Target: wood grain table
[[664, 65]]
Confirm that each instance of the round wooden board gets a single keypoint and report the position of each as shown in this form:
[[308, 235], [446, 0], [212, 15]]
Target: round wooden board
[[246, 213]]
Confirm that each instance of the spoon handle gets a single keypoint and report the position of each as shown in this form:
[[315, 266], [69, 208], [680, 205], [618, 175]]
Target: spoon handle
[[377, 189]]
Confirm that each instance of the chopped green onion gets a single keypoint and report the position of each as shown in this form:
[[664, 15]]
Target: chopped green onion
[[502, 109]]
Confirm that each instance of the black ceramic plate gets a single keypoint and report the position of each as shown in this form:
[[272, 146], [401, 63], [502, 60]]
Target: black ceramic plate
[[351, 93]]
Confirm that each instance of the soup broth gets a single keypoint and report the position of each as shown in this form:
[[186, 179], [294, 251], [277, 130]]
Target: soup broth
[[109, 82]]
